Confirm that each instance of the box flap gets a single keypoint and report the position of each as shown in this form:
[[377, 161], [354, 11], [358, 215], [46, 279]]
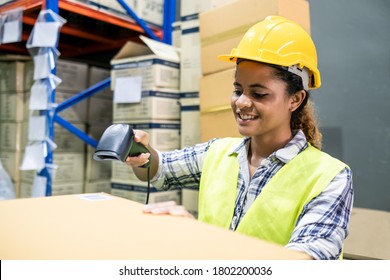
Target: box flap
[[162, 50], [131, 49]]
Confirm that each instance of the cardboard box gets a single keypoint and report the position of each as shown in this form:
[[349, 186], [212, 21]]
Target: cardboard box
[[190, 57], [74, 75], [124, 174], [96, 75], [11, 162], [100, 111], [97, 186], [155, 104], [64, 188], [190, 119], [369, 232], [76, 113], [190, 9], [218, 124], [14, 107], [164, 134], [13, 76], [12, 135], [219, 36], [151, 11], [71, 168], [155, 62], [216, 90], [106, 227], [189, 199], [176, 34], [138, 193]]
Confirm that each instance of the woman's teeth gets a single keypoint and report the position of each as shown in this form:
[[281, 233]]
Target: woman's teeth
[[246, 117]]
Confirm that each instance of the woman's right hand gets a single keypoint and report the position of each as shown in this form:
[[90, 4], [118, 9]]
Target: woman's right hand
[[142, 137]]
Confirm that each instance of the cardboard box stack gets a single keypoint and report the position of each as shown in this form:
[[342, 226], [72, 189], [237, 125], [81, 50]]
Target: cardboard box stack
[[190, 73], [219, 35], [16, 78], [98, 174], [156, 67], [151, 11], [69, 156]]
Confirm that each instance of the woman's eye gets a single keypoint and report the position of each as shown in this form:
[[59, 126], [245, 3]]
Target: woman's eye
[[237, 92], [258, 95]]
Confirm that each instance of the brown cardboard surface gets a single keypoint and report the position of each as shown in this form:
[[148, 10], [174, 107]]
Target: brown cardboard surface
[[218, 124], [369, 236], [216, 90], [71, 227], [222, 28]]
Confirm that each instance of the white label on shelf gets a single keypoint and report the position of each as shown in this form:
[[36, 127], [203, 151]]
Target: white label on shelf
[[45, 34], [11, 32], [34, 157], [39, 96], [39, 186], [37, 128], [128, 89], [41, 66]]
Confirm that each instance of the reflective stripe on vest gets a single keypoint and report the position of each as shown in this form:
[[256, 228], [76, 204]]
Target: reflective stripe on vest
[[274, 213]]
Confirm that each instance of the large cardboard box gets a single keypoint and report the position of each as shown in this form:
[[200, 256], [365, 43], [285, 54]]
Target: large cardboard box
[[138, 193], [71, 168], [14, 76], [97, 186], [155, 104], [63, 188], [96, 75], [74, 75], [156, 63], [14, 107], [369, 235], [190, 119], [105, 227], [219, 35], [218, 124], [99, 111], [124, 174], [215, 109], [190, 65], [216, 90], [76, 113], [164, 134]]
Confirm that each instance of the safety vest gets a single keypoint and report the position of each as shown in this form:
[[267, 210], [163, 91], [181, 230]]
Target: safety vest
[[274, 213]]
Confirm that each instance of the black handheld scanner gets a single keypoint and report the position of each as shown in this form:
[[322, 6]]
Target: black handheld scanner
[[117, 143]]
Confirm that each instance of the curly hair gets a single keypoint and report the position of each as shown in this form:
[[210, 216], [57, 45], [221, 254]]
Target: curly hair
[[304, 116]]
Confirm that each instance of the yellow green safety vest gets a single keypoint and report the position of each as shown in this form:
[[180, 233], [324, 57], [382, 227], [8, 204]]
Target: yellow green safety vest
[[274, 213]]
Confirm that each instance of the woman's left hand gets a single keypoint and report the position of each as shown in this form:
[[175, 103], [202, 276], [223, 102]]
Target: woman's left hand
[[167, 208]]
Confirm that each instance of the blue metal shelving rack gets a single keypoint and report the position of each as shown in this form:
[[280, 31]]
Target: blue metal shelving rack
[[169, 18]]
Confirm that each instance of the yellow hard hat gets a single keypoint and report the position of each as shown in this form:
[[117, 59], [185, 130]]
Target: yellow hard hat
[[279, 41]]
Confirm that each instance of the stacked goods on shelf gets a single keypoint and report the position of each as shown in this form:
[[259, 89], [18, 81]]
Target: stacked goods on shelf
[[190, 74], [218, 36], [150, 11], [98, 174], [16, 78], [69, 156], [145, 81]]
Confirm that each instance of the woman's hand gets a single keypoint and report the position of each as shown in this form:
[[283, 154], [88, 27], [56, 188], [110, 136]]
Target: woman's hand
[[167, 208], [143, 138]]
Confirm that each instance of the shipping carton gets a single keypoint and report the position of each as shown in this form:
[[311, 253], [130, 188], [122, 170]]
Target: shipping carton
[[222, 28], [99, 226], [155, 104], [156, 63]]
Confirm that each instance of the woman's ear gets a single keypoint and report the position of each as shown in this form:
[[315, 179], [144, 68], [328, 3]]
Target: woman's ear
[[296, 100]]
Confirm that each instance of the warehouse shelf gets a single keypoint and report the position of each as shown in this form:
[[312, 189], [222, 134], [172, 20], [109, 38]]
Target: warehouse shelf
[[88, 31]]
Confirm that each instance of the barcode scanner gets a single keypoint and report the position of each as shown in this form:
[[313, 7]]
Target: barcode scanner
[[117, 143]]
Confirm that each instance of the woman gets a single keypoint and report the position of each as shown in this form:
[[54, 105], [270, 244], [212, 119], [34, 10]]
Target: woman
[[274, 183]]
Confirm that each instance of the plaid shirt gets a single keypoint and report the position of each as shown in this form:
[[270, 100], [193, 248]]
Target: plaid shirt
[[323, 224]]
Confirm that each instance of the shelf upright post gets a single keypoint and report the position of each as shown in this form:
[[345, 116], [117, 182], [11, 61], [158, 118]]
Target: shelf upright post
[[52, 5], [168, 19]]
